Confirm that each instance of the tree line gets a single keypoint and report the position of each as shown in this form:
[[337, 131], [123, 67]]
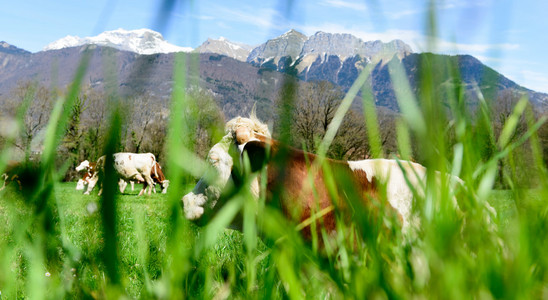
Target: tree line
[[310, 111], [145, 119]]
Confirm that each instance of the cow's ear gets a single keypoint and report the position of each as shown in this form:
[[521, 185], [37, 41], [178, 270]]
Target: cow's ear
[[257, 153]]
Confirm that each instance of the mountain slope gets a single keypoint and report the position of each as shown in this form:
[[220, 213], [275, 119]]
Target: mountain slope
[[235, 84], [280, 52], [10, 49]]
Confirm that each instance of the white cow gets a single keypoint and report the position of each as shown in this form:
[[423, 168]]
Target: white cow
[[129, 167]]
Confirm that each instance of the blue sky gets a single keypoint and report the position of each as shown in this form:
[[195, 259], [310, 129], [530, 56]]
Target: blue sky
[[509, 36]]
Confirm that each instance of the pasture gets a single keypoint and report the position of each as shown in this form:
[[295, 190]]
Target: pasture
[[144, 229], [143, 225]]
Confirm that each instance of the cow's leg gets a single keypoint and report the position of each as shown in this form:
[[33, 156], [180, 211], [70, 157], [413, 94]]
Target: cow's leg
[[149, 183], [132, 185], [80, 185], [91, 183], [137, 177], [122, 184]]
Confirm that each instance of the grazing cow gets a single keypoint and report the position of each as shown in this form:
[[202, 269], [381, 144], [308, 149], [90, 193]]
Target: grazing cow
[[290, 180], [129, 167], [157, 176], [90, 169]]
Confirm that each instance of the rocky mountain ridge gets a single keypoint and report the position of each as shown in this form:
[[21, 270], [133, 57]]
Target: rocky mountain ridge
[[10, 49]]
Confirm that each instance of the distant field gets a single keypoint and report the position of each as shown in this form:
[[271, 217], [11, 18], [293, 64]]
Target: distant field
[[143, 226]]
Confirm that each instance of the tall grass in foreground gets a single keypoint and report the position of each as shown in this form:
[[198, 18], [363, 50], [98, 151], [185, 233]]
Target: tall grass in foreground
[[57, 243]]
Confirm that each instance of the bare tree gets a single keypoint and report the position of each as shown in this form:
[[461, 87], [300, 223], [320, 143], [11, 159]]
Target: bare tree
[[315, 107], [93, 123], [37, 102], [144, 113], [351, 139], [204, 121], [157, 132], [314, 110], [387, 126], [502, 109]]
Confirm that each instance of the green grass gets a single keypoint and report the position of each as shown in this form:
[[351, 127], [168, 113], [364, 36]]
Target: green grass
[[143, 229]]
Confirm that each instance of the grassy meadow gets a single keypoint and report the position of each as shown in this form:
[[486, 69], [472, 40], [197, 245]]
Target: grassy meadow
[[56, 243], [143, 226]]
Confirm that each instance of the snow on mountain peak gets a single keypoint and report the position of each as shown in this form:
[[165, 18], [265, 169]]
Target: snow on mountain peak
[[141, 41], [225, 47]]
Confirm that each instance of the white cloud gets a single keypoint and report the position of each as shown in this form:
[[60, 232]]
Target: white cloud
[[262, 18], [344, 4], [223, 25], [453, 48], [534, 80], [204, 17], [403, 13]]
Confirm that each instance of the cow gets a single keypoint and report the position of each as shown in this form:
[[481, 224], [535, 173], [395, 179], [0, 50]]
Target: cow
[[129, 167], [399, 180], [208, 189], [157, 176], [90, 169]]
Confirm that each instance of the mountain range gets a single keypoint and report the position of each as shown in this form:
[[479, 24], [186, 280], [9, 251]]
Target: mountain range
[[239, 75], [141, 41]]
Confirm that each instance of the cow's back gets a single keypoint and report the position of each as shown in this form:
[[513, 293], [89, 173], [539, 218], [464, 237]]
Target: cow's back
[[130, 165]]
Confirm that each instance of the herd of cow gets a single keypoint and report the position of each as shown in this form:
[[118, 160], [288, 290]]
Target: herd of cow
[[295, 179], [129, 167]]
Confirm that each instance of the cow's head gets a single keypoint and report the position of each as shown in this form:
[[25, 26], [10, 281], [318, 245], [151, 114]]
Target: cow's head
[[83, 166], [164, 185], [208, 190]]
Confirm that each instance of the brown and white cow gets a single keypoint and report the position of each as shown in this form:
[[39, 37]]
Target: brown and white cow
[[157, 176], [89, 168], [301, 190], [129, 167]]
